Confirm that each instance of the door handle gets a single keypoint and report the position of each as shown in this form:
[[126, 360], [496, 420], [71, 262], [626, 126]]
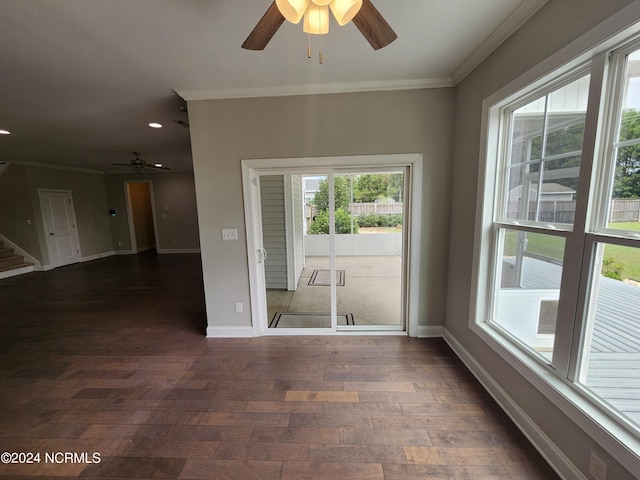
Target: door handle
[[262, 255], [52, 234]]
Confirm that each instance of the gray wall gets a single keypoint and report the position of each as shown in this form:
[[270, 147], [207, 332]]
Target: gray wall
[[17, 221], [89, 201], [225, 131], [93, 196], [556, 25], [175, 209], [19, 193]]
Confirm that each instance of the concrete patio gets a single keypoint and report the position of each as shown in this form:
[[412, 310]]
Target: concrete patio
[[372, 292]]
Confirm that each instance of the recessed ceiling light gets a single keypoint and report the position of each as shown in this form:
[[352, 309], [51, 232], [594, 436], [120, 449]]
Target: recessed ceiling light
[[5, 132], [155, 125]]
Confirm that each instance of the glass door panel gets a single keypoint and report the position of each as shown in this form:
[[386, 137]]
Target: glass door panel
[[297, 251], [369, 243]]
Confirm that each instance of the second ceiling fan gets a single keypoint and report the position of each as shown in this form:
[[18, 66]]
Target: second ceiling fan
[[316, 19], [140, 165]]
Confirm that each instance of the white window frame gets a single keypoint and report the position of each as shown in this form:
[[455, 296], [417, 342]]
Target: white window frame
[[556, 380]]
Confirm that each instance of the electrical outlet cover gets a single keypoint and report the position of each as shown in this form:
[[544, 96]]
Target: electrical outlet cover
[[597, 468]]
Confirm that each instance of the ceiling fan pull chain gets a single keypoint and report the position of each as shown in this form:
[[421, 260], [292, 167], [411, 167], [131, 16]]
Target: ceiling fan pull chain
[[320, 37], [309, 46]]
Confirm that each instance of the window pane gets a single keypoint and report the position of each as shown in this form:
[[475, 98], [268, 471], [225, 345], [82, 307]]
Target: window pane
[[527, 298], [546, 149], [566, 110], [526, 132], [369, 248], [522, 196], [624, 204], [611, 352]]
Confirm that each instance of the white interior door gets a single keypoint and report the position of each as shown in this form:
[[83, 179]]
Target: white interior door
[[59, 220]]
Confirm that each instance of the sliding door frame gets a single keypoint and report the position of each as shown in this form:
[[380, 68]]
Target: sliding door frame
[[251, 171]]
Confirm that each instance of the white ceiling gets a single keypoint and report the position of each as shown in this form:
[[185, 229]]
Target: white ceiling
[[80, 80]]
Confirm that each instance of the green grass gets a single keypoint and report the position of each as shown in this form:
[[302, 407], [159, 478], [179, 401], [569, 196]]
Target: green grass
[[627, 256], [552, 246], [547, 245], [631, 226]]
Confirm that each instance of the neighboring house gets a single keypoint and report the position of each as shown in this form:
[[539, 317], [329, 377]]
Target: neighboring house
[[550, 192], [311, 187]]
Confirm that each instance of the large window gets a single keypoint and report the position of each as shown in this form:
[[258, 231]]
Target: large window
[[538, 186], [563, 245]]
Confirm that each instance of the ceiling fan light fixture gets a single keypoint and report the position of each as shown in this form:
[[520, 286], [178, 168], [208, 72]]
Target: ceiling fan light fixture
[[316, 19], [345, 10], [292, 10]]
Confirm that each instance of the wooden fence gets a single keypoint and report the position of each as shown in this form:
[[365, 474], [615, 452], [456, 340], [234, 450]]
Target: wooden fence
[[357, 209], [552, 211], [623, 210], [562, 211]]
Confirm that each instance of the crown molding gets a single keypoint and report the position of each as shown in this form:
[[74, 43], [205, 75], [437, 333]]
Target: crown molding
[[316, 89], [58, 167], [513, 22]]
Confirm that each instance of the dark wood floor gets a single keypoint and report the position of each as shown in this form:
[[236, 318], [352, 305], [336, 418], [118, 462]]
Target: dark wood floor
[[109, 358]]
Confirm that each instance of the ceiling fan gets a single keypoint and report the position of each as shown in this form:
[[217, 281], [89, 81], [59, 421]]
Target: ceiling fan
[[140, 165], [367, 19]]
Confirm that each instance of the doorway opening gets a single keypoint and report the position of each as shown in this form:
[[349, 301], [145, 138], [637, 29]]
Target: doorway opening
[[329, 247], [141, 215]]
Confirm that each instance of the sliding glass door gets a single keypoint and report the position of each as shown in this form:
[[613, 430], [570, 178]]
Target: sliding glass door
[[369, 244], [334, 248], [296, 271]]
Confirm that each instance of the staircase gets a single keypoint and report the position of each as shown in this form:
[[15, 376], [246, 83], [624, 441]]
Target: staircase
[[12, 264]]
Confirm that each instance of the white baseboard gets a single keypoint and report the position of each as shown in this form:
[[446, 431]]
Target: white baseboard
[[97, 256], [427, 331], [551, 453], [178, 250], [14, 272], [229, 332]]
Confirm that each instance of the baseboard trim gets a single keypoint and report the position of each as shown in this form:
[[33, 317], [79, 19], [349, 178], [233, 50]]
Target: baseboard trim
[[178, 250], [14, 272], [551, 453], [97, 256], [229, 332], [427, 331]]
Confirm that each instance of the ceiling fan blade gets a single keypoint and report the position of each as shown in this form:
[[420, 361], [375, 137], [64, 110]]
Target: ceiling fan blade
[[121, 164], [265, 29], [373, 26], [154, 167]]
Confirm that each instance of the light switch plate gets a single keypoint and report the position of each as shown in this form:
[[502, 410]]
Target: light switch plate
[[229, 234]]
